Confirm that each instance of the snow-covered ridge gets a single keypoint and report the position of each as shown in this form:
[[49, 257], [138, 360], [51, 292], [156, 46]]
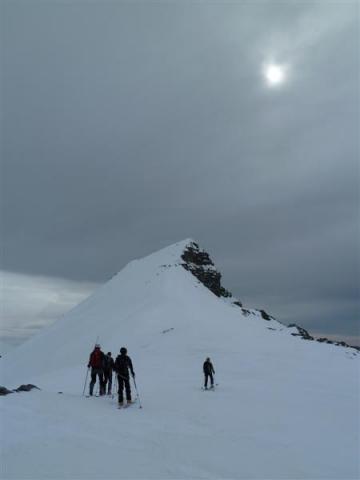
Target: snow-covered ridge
[[176, 287], [276, 394]]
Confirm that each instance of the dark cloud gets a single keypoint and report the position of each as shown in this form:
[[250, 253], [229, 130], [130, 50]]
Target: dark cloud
[[129, 126]]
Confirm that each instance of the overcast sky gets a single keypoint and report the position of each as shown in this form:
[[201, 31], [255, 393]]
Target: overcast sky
[[127, 126]]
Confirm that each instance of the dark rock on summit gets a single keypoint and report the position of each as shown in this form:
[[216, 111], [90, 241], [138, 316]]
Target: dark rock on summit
[[199, 263]]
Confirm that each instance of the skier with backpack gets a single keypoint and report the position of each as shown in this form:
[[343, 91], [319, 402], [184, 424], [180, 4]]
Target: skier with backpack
[[108, 371], [208, 369], [123, 364], [96, 362]]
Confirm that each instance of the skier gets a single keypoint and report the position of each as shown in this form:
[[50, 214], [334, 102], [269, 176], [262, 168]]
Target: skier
[[208, 372], [108, 371], [96, 362], [123, 364]]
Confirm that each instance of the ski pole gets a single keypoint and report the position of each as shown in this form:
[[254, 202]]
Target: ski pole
[[87, 373], [137, 392]]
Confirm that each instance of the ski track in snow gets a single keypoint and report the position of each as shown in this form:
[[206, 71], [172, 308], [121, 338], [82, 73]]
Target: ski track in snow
[[285, 408]]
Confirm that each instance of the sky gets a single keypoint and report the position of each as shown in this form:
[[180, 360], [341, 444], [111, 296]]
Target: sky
[[128, 126]]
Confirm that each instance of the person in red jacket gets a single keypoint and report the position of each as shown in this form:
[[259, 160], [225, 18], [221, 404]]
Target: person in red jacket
[[96, 362]]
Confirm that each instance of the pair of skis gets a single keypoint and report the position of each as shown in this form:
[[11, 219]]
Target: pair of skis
[[210, 388], [126, 405]]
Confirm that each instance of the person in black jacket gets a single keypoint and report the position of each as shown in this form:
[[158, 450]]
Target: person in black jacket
[[123, 364], [96, 362], [108, 371], [208, 372]]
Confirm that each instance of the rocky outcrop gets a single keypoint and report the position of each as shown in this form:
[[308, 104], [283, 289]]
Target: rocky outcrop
[[199, 263], [26, 388], [4, 391], [301, 332], [266, 316], [237, 303], [339, 344], [22, 388]]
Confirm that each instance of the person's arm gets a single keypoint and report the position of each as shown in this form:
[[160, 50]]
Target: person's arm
[[212, 368], [89, 362]]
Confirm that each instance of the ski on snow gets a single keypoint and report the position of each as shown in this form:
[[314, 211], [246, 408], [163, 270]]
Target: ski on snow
[[210, 388], [126, 405]]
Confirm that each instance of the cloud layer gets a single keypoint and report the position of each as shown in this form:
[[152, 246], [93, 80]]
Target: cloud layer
[[129, 126], [30, 303]]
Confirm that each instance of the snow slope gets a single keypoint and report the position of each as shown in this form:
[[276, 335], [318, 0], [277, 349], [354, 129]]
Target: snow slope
[[285, 408]]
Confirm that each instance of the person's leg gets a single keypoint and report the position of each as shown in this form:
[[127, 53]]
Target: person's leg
[[211, 379], [109, 383], [106, 377], [102, 382], [120, 390], [206, 380], [93, 380], [100, 379]]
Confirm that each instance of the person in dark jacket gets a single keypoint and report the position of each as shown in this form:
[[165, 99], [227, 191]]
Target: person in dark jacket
[[108, 371], [96, 362], [208, 372], [123, 364]]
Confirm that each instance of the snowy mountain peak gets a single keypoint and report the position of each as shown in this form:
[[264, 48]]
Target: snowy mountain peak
[[177, 289], [188, 254], [171, 312]]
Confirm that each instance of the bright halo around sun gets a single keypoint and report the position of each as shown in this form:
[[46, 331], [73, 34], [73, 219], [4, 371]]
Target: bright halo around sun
[[274, 74]]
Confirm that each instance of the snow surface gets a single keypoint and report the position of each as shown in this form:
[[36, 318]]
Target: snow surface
[[285, 408]]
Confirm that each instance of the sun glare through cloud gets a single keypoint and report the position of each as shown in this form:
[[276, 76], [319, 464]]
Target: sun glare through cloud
[[275, 74]]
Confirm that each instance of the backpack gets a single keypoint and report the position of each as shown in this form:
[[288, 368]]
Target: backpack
[[96, 359], [121, 364], [108, 362]]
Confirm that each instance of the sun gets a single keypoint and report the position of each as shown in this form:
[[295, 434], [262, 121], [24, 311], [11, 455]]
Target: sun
[[275, 74]]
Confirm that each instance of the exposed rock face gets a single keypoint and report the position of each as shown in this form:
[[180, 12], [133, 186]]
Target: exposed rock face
[[199, 263], [4, 391], [301, 332], [26, 388], [237, 303], [339, 344], [265, 315], [306, 336], [22, 388]]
